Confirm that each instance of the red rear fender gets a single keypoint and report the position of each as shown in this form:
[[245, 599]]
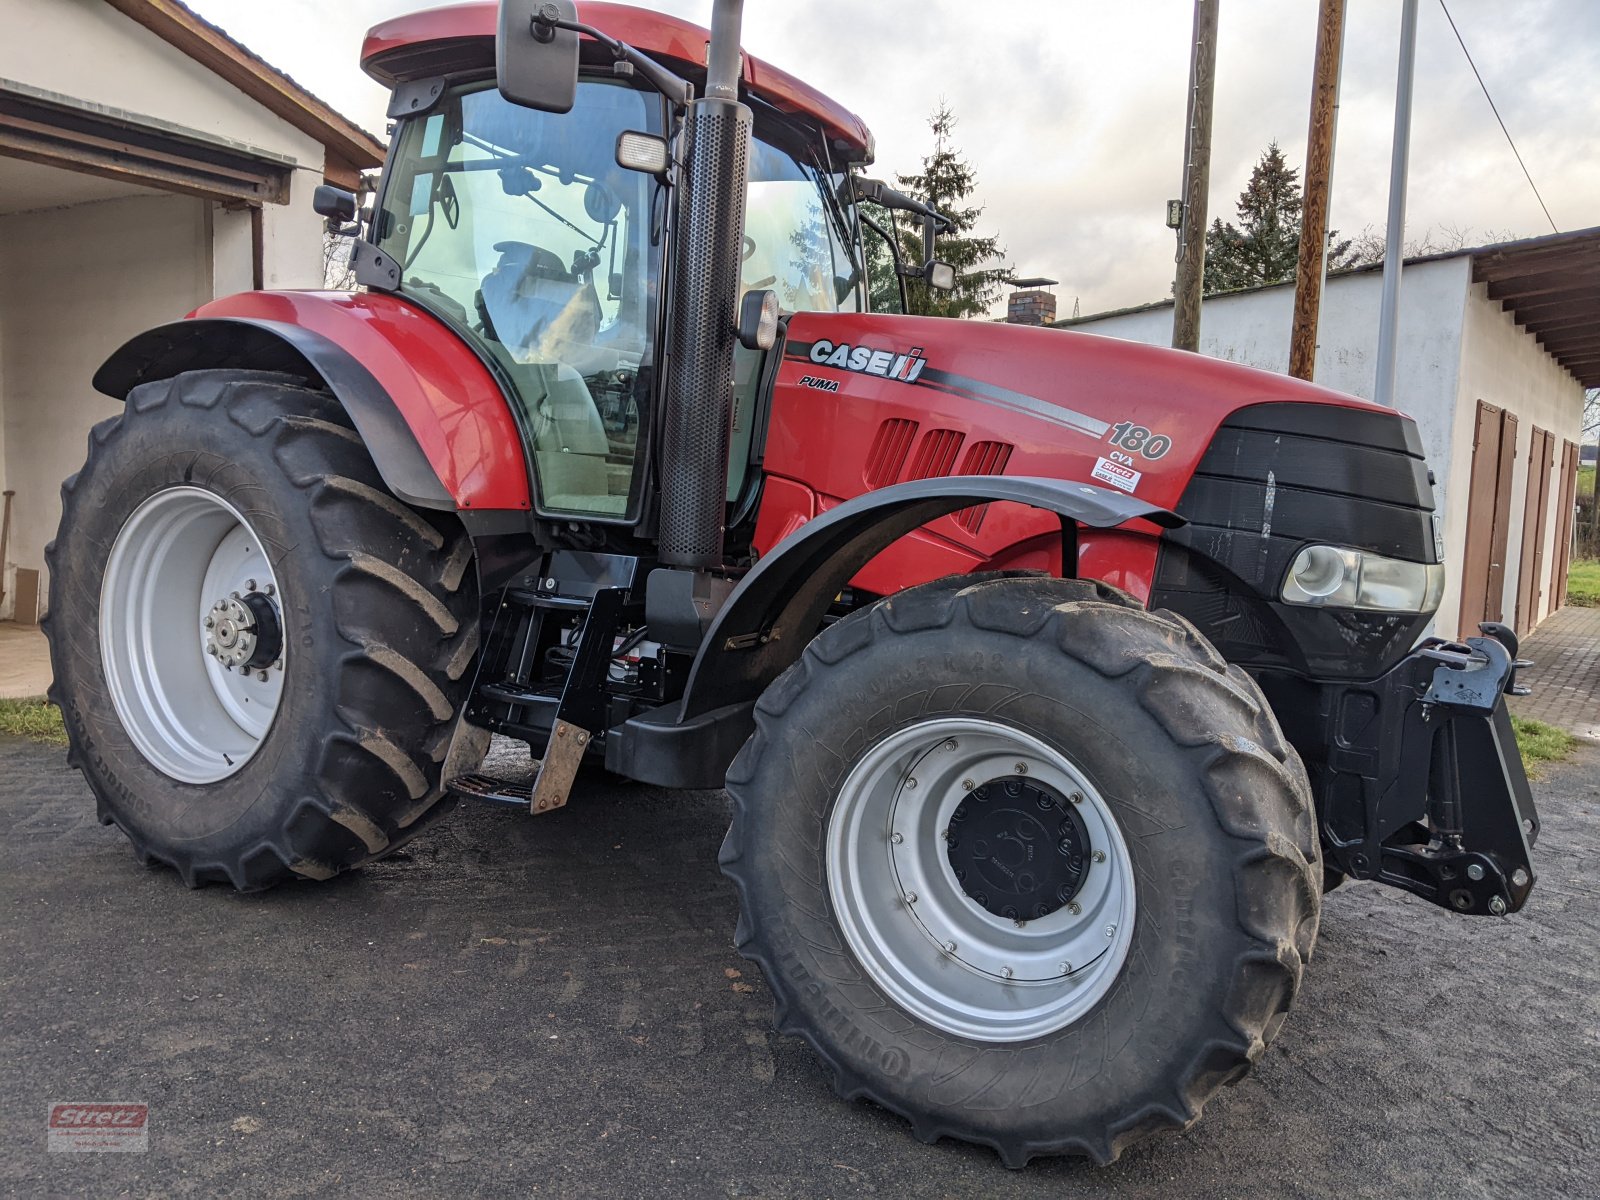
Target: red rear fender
[[432, 415]]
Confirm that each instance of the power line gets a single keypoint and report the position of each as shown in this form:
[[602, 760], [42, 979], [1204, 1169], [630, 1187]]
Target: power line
[[1494, 109]]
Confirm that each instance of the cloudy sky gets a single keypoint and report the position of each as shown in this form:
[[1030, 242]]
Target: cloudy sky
[[1072, 111]]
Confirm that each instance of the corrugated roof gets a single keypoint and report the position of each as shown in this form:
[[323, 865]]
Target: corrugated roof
[[1551, 287]]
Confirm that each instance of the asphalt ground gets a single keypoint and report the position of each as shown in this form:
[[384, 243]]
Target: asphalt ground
[[552, 1007]]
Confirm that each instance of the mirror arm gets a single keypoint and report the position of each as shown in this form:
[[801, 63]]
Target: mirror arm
[[676, 89]]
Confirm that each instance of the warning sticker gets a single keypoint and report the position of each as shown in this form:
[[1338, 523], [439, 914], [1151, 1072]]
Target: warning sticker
[[1117, 475]]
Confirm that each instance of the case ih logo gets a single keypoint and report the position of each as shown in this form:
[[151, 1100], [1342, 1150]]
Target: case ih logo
[[98, 1127], [864, 360]]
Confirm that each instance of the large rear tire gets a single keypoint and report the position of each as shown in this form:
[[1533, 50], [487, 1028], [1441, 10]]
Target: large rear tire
[[259, 653], [1024, 863]]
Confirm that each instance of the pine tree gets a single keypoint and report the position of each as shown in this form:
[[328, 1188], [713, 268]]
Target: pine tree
[[1265, 246], [945, 181]]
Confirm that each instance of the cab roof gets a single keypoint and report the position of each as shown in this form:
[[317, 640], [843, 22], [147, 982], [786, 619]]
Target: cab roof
[[456, 37]]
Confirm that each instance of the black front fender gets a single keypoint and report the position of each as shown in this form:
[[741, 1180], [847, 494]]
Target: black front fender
[[778, 607], [244, 343]]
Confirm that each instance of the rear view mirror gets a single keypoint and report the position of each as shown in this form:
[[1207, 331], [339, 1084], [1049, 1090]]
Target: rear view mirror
[[535, 63]]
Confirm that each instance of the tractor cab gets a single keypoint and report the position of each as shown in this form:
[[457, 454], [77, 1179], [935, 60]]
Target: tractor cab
[[524, 231]]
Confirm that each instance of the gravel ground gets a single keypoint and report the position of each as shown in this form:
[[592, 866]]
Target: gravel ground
[[553, 1006]]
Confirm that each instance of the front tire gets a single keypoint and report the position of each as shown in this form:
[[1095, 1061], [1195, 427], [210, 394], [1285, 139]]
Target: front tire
[[1129, 928], [259, 653]]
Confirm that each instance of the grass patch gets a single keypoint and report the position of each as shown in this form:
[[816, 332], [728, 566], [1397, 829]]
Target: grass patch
[[36, 719], [1541, 743], [1583, 583]]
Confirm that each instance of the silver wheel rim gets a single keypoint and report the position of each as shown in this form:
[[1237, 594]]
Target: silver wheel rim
[[930, 946], [185, 556]]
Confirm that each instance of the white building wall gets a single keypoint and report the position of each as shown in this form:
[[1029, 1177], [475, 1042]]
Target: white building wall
[[77, 283], [1504, 365]]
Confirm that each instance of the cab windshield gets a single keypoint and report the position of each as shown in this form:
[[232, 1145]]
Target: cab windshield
[[518, 227]]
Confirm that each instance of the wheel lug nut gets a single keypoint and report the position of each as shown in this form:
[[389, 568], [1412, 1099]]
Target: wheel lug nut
[[1099, 856], [249, 585], [911, 897], [967, 785], [949, 947], [262, 676], [950, 744], [1074, 907], [271, 590], [1021, 768], [1005, 972], [211, 622], [235, 595], [1111, 931], [1066, 968], [896, 838], [911, 783]]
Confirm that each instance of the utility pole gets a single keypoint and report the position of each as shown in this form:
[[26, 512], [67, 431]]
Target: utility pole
[[1196, 180], [1394, 250], [1313, 266]]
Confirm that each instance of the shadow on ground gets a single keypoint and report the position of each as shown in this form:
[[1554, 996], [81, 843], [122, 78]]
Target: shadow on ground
[[552, 1006]]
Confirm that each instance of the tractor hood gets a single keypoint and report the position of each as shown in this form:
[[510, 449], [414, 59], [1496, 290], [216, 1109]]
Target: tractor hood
[[859, 398]]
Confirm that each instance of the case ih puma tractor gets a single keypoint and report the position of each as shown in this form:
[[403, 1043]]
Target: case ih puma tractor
[[1053, 678]]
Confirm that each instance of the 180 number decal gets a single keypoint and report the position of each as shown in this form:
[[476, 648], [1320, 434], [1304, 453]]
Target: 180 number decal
[[1136, 439]]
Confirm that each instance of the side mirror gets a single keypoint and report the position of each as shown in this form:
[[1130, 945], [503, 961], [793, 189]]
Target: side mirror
[[535, 61], [941, 276], [334, 203]]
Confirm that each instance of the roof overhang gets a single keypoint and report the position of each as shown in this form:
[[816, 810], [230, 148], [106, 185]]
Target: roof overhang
[[1551, 287], [59, 131], [349, 149]]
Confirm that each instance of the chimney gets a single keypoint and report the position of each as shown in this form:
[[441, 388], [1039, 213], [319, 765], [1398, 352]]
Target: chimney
[[1031, 303]]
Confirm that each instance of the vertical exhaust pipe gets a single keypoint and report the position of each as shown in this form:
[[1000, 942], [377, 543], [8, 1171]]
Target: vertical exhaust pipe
[[700, 344]]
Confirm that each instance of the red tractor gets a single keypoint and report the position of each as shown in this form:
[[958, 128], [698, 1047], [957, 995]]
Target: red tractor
[[1052, 678]]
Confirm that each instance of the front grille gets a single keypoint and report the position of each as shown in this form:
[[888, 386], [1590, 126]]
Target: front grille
[[1279, 477]]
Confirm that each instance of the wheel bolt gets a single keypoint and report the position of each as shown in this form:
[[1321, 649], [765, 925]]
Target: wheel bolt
[[944, 835], [911, 783], [1066, 968], [949, 947], [950, 744], [235, 595], [211, 622], [1074, 907], [211, 650], [911, 897], [896, 838], [1077, 797], [1099, 856], [262, 676], [249, 585], [967, 785], [1005, 972], [1021, 768], [1111, 931], [271, 590]]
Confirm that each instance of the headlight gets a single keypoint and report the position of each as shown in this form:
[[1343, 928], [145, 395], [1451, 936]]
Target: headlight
[[1334, 577]]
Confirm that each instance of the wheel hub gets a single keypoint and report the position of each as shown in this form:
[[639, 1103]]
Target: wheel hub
[[1017, 848], [244, 630]]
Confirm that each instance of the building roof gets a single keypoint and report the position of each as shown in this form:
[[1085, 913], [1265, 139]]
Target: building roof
[[350, 149], [1550, 285]]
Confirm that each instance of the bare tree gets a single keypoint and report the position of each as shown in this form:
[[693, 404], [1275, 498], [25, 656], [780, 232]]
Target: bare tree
[[1367, 248], [336, 273]]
